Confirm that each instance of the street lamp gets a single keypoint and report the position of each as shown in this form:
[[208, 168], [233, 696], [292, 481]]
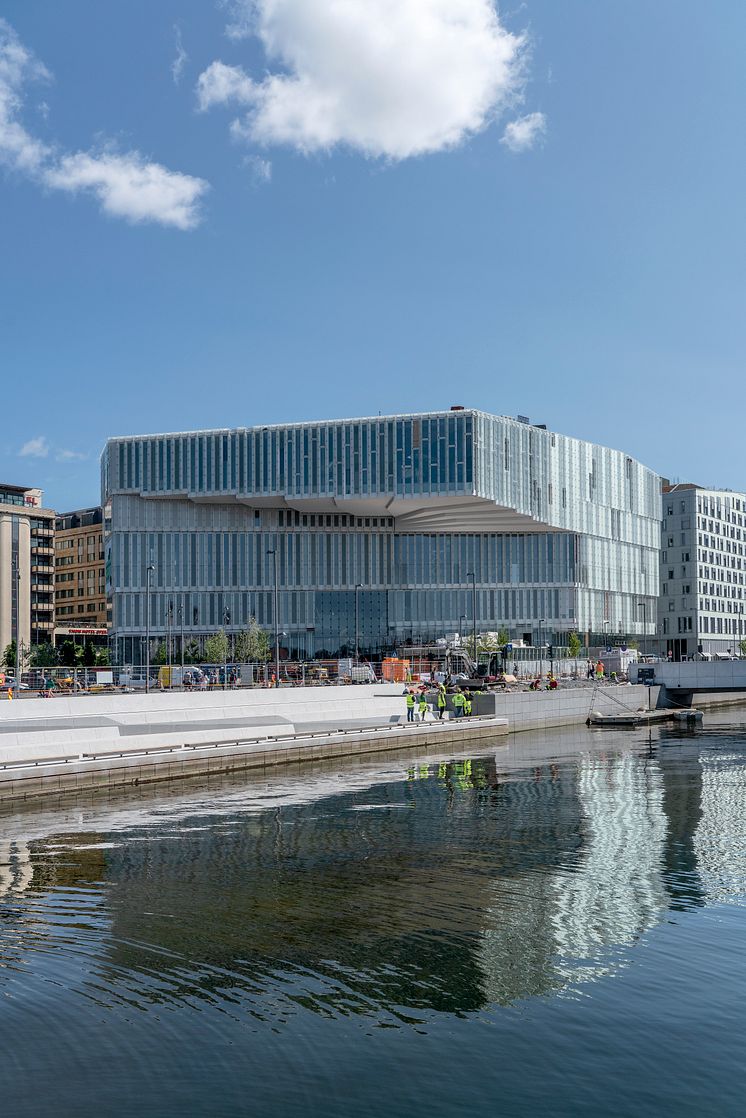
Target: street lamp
[[606, 624], [148, 573], [358, 586], [17, 576], [541, 648], [226, 623], [644, 607], [181, 628], [473, 577], [276, 611]]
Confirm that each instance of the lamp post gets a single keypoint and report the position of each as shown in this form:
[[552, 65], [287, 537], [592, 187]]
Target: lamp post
[[541, 648], [226, 623], [148, 573], [606, 624], [643, 606], [473, 577], [276, 611], [17, 578], [181, 629], [358, 586]]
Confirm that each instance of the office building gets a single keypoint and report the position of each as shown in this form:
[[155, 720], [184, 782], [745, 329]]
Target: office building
[[80, 585], [380, 531], [701, 607], [26, 568]]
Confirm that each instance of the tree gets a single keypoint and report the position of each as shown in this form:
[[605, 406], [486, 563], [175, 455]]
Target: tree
[[70, 654], [103, 660], [192, 654], [253, 644], [574, 645], [43, 656], [160, 656], [9, 655], [216, 648], [742, 647], [89, 655]]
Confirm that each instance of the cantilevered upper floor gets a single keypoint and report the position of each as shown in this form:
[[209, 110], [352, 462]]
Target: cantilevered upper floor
[[456, 471]]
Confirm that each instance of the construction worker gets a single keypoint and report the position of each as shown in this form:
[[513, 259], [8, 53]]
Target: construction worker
[[467, 703], [410, 707], [422, 706], [442, 701], [458, 703]]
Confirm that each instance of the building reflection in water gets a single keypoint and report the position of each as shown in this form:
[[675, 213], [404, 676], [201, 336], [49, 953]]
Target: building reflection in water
[[446, 887]]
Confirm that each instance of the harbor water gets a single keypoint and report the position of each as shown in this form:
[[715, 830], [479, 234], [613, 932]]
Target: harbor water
[[552, 926]]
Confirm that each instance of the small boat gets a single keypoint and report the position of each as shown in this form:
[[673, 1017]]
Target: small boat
[[689, 715]]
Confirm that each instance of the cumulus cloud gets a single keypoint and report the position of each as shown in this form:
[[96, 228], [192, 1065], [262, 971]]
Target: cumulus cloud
[[35, 448], [220, 84], [524, 133], [391, 78], [126, 185]]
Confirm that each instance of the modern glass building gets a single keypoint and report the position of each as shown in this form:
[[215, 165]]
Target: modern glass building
[[385, 528]]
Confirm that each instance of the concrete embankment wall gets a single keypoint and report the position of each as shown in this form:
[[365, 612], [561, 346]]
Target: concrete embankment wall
[[541, 710], [52, 745]]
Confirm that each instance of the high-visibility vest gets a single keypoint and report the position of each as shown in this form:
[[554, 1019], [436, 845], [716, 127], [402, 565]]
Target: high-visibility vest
[[410, 699], [423, 705], [458, 699], [441, 699], [467, 706]]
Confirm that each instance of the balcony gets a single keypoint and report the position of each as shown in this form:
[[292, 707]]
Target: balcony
[[41, 549]]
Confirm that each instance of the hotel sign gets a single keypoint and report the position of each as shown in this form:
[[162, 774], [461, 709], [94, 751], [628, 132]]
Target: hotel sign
[[81, 632]]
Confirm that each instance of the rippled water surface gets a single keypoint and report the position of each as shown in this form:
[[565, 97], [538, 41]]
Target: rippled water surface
[[552, 927]]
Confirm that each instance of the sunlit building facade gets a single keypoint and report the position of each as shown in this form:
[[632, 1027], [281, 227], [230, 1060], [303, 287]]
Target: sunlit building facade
[[384, 529]]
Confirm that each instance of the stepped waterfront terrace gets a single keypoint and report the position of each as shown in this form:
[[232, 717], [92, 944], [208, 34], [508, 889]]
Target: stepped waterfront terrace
[[388, 528]]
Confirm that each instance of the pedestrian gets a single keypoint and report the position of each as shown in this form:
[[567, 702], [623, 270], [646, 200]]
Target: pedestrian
[[591, 670], [600, 670], [458, 703], [467, 703], [515, 670], [441, 701], [422, 706], [410, 706]]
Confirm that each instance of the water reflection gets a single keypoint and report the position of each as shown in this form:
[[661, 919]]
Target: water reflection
[[388, 891]]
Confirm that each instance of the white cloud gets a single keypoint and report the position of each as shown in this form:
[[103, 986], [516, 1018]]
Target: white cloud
[[524, 133], [70, 456], [220, 84], [241, 16], [19, 150], [35, 448], [178, 64], [126, 185], [392, 78], [261, 169]]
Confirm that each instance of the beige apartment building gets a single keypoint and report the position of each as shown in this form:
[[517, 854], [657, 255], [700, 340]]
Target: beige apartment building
[[80, 589], [26, 567]]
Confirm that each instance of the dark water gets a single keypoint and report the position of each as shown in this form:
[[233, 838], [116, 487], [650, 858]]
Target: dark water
[[556, 927]]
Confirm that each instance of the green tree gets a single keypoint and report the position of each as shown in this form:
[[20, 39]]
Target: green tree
[[160, 656], [103, 659], [742, 647], [574, 645], [70, 654], [89, 655], [192, 654], [43, 656], [252, 644], [216, 648], [9, 655]]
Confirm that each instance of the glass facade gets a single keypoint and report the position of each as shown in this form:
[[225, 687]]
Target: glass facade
[[414, 511]]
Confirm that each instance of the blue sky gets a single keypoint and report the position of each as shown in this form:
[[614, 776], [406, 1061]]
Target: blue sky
[[217, 214]]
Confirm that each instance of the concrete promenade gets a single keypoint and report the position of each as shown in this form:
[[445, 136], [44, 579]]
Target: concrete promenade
[[77, 742]]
